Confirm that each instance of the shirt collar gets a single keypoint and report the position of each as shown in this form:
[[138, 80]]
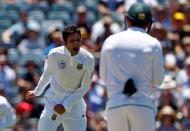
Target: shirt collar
[[68, 53], [135, 28]]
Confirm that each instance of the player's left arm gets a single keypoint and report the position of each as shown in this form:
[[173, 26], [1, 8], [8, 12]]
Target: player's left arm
[[158, 66], [85, 85]]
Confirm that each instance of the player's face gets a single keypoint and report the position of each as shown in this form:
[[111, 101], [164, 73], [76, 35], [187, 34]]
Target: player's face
[[73, 43]]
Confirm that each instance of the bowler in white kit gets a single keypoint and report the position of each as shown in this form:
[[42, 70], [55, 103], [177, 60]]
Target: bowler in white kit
[[69, 71], [131, 63]]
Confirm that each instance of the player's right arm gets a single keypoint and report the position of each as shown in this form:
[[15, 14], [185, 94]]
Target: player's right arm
[[43, 82]]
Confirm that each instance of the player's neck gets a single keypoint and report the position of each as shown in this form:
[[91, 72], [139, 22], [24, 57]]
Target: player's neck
[[71, 51]]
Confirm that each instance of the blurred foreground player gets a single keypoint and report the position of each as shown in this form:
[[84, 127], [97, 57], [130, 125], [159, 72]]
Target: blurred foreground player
[[7, 113], [131, 63]]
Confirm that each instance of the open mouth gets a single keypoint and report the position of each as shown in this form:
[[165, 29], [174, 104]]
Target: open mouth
[[75, 49]]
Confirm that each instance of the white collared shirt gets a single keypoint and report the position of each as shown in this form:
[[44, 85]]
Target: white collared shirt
[[69, 76], [131, 54]]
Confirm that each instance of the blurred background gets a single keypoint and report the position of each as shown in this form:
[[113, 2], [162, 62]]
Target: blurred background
[[29, 29]]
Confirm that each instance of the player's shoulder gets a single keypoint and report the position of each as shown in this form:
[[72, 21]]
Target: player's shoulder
[[112, 40], [87, 59], [57, 50], [3, 100], [154, 41], [154, 44], [116, 36], [87, 55]]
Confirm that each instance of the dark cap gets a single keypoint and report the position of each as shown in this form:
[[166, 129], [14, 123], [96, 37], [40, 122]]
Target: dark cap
[[140, 13]]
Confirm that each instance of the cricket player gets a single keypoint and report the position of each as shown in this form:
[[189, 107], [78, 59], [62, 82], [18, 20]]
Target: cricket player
[[7, 113], [131, 63], [69, 71]]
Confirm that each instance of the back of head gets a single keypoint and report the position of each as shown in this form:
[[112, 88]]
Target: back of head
[[140, 14]]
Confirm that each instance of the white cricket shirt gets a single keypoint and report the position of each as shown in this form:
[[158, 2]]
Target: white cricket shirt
[[131, 54], [69, 76]]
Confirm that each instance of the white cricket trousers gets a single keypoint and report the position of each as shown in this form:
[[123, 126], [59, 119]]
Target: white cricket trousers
[[72, 123], [131, 118]]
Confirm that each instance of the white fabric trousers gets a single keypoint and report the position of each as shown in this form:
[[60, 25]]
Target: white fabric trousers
[[131, 118], [74, 120], [77, 123]]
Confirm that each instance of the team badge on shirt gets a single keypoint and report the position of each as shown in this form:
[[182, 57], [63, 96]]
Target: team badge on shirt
[[61, 64], [79, 66]]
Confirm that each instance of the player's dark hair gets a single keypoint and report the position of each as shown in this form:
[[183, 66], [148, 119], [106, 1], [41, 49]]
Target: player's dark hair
[[70, 30]]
